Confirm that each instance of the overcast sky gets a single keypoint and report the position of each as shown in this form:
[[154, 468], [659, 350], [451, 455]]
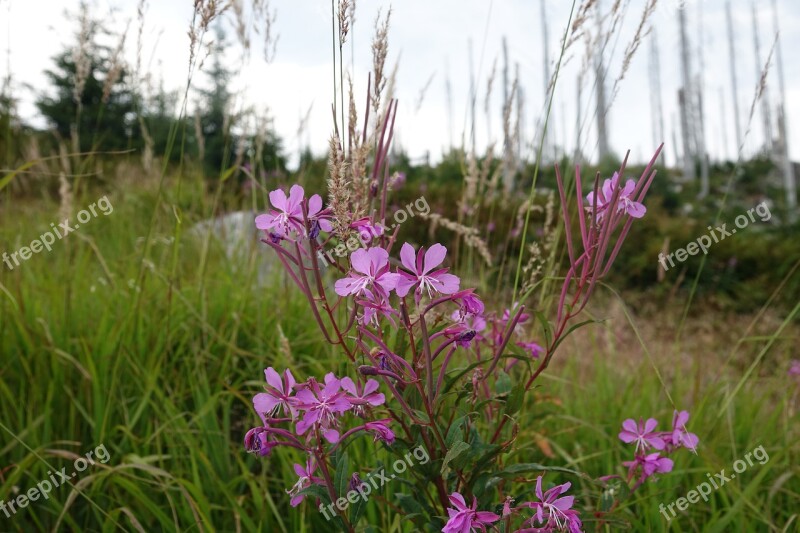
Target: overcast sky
[[431, 39]]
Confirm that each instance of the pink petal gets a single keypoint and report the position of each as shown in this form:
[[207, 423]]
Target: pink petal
[[370, 387], [656, 442], [349, 386], [378, 258], [300, 471], [404, 284], [264, 221], [331, 436], [448, 283], [631, 426], [264, 403], [650, 425], [408, 257], [274, 379], [627, 437], [388, 281], [630, 185], [314, 205], [679, 419], [539, 488], [434, 257], [360, 260], [296, 500], [636, 210], [486, 517], [346, 286], [377, 399], [564, 503], [278, 199], [295, 197]]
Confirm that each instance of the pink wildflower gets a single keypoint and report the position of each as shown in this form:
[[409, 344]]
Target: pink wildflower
[[642, 434], [307, 479], [287, 216], [373, 266], [278, 393], [464, 519], [321, 406], [419, 272]]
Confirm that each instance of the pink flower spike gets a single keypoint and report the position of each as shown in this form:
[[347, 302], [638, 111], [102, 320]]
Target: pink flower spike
[[373, 266], [419, 268], [642, 434], [287, 216]]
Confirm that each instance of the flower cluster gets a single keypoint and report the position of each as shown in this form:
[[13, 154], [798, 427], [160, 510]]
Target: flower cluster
[[305, 415], [405, 317], [551, 512], [652, 447]]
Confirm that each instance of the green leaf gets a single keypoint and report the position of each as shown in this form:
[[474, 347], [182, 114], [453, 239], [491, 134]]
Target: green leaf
[[503, 384], [455, 433], [515, 399], [342, 477], [452, 453]]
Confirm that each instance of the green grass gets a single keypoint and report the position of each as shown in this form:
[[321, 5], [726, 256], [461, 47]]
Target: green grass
[[161, 369]]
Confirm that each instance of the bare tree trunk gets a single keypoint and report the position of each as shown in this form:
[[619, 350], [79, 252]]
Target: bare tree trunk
[[765, 111], [700, 129], [656, 106], [734, 82], [685, 102], [788, 170], [546, 80]]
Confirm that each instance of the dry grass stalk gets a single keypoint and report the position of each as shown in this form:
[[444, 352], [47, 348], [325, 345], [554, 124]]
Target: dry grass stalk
[[115, 68], [339, 188], [380, 49], [469, 234]]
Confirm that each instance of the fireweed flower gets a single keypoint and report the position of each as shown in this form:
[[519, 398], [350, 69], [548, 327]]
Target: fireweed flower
[[624, 203], [650, 464], [319, 218], [554, 510], [322, 406], [374, 309], [380, 428], [642, 434], [278, 394], [470, 304], [286, 217], [373, 266], [532, 348], [366, 228], [420, 265], [794, 369], [307, 479], [680, 436], [257, 441], [361, 397], [464, 519]]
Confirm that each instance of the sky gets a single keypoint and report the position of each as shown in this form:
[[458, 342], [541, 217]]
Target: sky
[[430, 42]]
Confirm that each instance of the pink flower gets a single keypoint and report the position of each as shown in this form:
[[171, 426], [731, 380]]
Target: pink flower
[[307, 478], [642, 434], [380, 428], [286, 217], [552, 508], [464, 519], [373, 311], [650, 464], [624, 201], [361, 397], [532, 348], [470, 303], [420, 268], [321, 406], [680, 436], [318, 217], [794, 369], [366, 229], [373, 265], [278, 393], [257, 441]]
